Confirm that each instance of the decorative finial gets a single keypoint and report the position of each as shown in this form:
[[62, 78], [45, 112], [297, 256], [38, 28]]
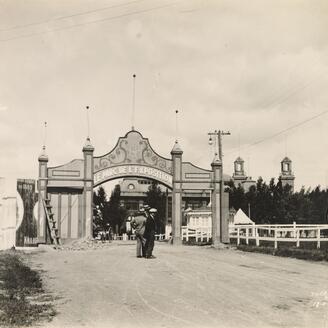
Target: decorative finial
[[176, 125], [88, 122], [43, 156], [133, 101], [44, 135]]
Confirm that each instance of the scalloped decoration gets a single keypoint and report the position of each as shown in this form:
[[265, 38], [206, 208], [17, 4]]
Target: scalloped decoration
[[133, 149]]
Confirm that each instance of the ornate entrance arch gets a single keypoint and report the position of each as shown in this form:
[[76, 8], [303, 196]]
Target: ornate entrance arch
[[132, 156], [69, 187]]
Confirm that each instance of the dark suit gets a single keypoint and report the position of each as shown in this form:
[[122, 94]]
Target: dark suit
[[150, 235], [139, 223]]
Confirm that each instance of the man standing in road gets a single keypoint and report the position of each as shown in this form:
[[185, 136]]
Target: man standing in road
[[138, 223], [150, 233]]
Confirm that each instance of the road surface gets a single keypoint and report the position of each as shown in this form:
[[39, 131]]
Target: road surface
[[185, 286]]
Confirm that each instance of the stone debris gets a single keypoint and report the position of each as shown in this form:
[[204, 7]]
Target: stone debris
[[85, 244]]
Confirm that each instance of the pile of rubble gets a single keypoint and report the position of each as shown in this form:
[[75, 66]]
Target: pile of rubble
[[85, 244]]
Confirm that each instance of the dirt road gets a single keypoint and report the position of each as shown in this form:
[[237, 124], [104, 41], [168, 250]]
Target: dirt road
[[183, 287]]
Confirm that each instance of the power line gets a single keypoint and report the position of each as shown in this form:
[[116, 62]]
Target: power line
[[284, 131], [91, 22], [292, 92], [278, 101], [288, 92], [17, 27]]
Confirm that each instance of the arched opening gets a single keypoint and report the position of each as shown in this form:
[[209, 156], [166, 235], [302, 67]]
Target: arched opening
[[117, 200]]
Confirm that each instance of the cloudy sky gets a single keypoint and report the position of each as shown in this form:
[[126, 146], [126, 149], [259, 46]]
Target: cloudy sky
[[256, 68]]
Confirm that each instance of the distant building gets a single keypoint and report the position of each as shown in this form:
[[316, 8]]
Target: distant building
[[200, 217], [287, 177], [239, 176], [239, 173], [133, 192]]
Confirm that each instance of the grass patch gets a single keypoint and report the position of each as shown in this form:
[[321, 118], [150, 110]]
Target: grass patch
[[298, 253], [21, 294]]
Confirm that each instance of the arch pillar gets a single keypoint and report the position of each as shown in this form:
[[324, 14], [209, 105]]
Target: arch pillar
[[176, 193], [87, 211], [220, 206], [216, 202], [42, 194]]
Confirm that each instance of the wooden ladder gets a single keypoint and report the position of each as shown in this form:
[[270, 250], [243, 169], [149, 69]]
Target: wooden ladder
[[51, 224]]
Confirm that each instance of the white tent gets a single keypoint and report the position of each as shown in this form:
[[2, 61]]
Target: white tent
[[241, 218]]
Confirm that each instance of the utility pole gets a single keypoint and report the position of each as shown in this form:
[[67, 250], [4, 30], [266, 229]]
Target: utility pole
[[218, 141]]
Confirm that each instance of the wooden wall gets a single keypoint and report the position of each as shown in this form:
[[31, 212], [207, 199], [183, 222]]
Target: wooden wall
[[67, 209]]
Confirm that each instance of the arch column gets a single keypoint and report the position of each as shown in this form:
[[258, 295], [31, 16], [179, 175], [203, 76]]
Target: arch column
[[42, 194], [220, 206], [216, 203], [176, 193], [87, 211]]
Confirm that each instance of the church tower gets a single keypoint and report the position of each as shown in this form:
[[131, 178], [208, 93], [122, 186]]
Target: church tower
[[286, 175], [239, 173]]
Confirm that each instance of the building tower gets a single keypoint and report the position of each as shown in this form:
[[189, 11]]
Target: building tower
[[287, 177], [239, 174]]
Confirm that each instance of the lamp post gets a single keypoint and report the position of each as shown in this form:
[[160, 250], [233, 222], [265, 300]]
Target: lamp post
[[217, 136]]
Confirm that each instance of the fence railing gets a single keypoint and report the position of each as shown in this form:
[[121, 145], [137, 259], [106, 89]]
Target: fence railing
[[293, 233], [199, 233]]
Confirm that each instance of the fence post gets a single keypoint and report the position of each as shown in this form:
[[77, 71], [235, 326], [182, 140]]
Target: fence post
[[187, 233], [257, 237], [247, 232], [275, 238], [238, 236], [297, 238], [318, 238], [294, 229], [201, 233]]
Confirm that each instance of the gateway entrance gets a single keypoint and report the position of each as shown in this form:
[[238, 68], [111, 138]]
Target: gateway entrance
[[69, 187]]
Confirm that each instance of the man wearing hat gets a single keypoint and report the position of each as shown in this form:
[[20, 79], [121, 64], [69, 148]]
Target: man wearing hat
[[150, 232], [138, 223]]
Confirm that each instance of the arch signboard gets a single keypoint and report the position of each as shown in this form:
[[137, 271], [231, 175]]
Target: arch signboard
[[132, 170], [132, 156]]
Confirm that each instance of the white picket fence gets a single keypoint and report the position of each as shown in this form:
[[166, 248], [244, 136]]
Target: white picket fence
[[293, 233], [199, 233], [275, 233]]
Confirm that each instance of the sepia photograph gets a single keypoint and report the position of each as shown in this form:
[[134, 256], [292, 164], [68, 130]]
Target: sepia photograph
[[163, 163]]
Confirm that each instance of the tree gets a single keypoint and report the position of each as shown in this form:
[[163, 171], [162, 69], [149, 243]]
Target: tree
[[275, 203], [237, 197], [156, 198], [100, 202], [263, 202], [117, 214]]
